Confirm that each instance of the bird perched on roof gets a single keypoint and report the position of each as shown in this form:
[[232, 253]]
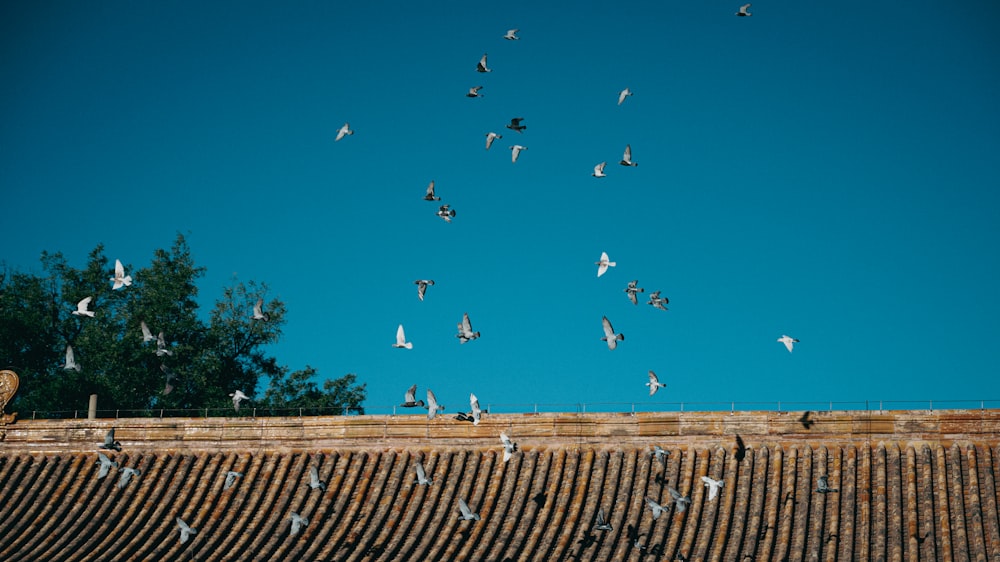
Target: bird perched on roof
[[297, 523], [127, 474], [632, 289], [654, 383], [421, 475], [109, 441], [515, 151], [515, 124], [314, 481], [446, 213], [823, 486], [660, 454], [481, 65], [429, 196], [465, 332], [713, 486], [422, 287], [238, 397], [467, 514], [681, 501], [106, 465], [511, 35], [120, 279], [344, 130], [604, 264], [743, 11], [805, 421], [601, 524], [509, 447], [623, 94], [401, 339], [161, 346], [186, 531], [490, 137], [147, 334], [789, 342], [81, 308], [599, 170], [409, 399], [656, 301], [609, 334], [231, 477], [474, 92], [432, 405], [627, 157], [71, 364], [656, 508], [258, 311]]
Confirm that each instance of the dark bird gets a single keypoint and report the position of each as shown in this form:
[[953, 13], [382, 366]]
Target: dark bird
[[824, 487], [515, 124], [632, 289], [422, 287], [465, 332], [410, 401], [681, 501], [657, 301], [601, 524], [109, 441], [805, 421], [446, 213], [474, 92]]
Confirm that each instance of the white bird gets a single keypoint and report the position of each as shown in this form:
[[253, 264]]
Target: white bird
[[743, 11], [627, 157], [490, 137], [467, 513], [422, 476], [446, 213], [788, 341], [238, 397], [681, 501], [231, 477], [127, 474], [474, 92], [609, 334], [623, 94], [410, 399], [654, 383], [401, 339], [604, 264], [161, 346], [106, 465], [186, 531], [599, 170], [657, 301], [713, 486], [344, 131], [81, 308], [511, 35], [509, 447], [632, 289], [476, 411], [601, 524], [422, 287], [465, 332], [120, 279], [481, 65], [655, 507], [432, 405], [258, 311], [314, 481], [515, 124], [430, 193], [297, 523], [660, 454], [516, 151], [147, 334], [71, 364]]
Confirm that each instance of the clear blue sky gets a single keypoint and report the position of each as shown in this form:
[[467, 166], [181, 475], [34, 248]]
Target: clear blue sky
[[822, 170]]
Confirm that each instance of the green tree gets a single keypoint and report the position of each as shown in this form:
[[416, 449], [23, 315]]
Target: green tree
[[298, 391]]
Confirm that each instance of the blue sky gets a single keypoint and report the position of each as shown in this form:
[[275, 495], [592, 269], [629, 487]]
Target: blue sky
[[825, 171]]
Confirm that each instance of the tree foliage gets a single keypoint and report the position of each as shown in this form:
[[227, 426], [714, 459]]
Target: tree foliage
[[204, 360]]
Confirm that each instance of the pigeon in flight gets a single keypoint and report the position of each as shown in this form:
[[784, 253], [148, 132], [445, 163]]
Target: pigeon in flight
[[314, 481], [476, 411], [654, 383], [632, 289], [258, 311], [490, 137], [422, 287], [474, 92], [805, 421], [511, 35], [467, 514], [127, 474], [601, 524], [186, 531], [238, 397], [599, 170], [657, 301], [609, 334], [481, 66], [446, 213], [120, 279], [789, 342], [516, 151], [743, 11], [604, 264], [106, 465], [422, 476], [297, 523], [161, 346], [71, 364], [401, 339], [344, 131], [410, 401], [681, 501], [109, 441], [655, 507], [81, 308], [168, 388], [432, 405], [713, 486], [231, 477], [623, 94], [430, 193], [660, 454], [147, 334], [515, 124], [627, 157], [465, 332], [509, 447], [824, 486]]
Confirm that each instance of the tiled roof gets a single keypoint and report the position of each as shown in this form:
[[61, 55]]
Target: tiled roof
[[909, 486]]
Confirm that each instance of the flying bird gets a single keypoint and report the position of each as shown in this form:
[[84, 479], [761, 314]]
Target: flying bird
[[168, 388], [314, 481], [632, 289], [421, 475], [599, 170], [660, 454], [627, 157], [604, 264], [656, 508], [465, 332], [657, 301], [516, 151], [71, 364], [430, 193], [186, 531], [258, 311], [81, 308], [127, 474], [109, 441], [231, 477], [432, 405], [401, 339], [515, 124], [601, 524], [481, 66], [490, 137], [824, 485], [511, 35], [344, 131], [509, 447], [654, 383], [161, 346], [147, 334], [789, 342], [743, 11], [609, 334], [422, 287], [410, 401], [446, 213], [476, 411], [106, 465], [623, 94], [681, 501], [467, 514], [120, 279], [297, 523], [474, 92], [238, 397], [713, 486], [805, 421]]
